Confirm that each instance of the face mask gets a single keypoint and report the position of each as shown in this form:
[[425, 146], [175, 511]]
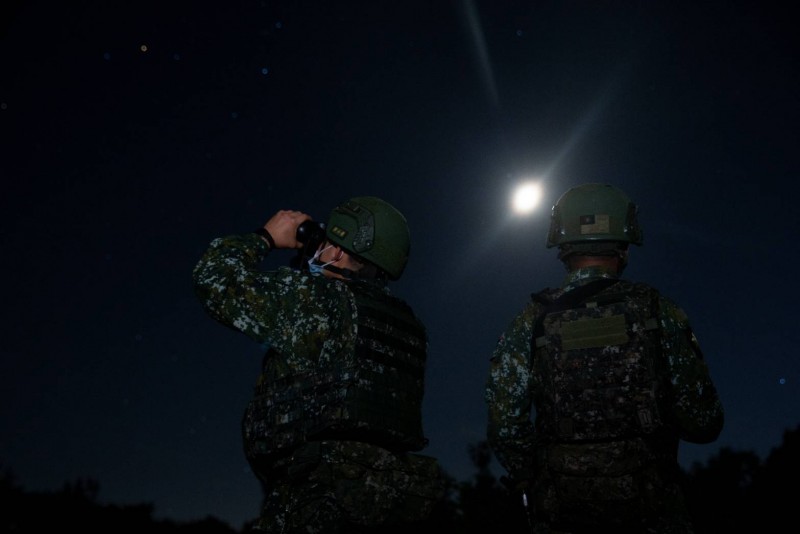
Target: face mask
[[313, 266]]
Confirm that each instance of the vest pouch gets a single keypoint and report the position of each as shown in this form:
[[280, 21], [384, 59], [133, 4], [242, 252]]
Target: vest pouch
[[597, 483]]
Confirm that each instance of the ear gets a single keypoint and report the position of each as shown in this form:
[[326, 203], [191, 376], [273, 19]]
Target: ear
[[622, 261]]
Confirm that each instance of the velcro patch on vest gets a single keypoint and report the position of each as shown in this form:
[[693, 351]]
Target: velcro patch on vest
[[594, 332]]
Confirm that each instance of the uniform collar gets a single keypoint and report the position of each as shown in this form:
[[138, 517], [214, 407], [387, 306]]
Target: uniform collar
[[581, 276]]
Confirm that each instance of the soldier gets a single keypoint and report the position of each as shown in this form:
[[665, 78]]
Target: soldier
[[615, 376], [336, 417]]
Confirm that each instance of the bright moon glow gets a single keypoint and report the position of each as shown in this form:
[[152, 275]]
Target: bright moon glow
[[526, 197]]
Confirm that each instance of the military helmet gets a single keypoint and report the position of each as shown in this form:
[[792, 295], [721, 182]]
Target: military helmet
[[594, 212], [373, 230]]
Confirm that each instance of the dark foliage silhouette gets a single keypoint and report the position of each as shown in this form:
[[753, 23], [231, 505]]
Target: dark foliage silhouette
[[75, 508], [734, 492], [487, 505], [723, 485]]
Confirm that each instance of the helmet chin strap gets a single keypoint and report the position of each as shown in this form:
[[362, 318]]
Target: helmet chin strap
[[366, 273], [341, 271], [347, 273]]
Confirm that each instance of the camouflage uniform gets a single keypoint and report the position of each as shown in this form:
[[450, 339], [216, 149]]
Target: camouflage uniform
[[318, 481], [640, 469]]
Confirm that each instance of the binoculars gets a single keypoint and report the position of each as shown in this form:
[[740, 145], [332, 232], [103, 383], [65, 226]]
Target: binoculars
[[311, 234]]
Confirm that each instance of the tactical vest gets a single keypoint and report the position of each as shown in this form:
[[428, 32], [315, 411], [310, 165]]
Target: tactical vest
[[597, 359], [375, 396]]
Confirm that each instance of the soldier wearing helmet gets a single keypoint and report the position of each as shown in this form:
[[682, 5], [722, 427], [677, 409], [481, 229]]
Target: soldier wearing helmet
[[594, 220], [334, 428], [615, 377]]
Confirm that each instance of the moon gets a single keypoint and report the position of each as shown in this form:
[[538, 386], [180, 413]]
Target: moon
[[526, 197]]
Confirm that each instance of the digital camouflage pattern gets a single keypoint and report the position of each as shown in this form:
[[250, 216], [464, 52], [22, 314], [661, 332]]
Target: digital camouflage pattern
[[341, 487], [602, 356], [592, 476], [374, 394], [341, 346]]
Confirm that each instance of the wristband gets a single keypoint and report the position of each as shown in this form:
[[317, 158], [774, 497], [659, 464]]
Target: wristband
[[263, 233]]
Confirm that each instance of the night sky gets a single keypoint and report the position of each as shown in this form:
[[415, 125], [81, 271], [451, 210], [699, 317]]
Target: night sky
[[132, 136]]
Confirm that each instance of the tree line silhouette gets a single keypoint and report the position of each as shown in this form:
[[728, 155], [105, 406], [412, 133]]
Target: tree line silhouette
[[735, 491]]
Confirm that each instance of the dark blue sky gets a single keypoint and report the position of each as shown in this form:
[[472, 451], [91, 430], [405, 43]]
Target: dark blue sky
[[120, 165]]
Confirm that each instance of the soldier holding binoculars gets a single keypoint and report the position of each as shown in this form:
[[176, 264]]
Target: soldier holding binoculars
[[334, 427]]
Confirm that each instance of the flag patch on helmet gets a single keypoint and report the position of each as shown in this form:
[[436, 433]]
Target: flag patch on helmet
[[598, 223]]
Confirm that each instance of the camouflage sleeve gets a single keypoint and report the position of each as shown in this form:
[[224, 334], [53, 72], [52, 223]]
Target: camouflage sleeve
[[696, 410], [509, 399], [284, 308]]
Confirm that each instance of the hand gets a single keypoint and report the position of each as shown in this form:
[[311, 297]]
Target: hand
[[283, 228]]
